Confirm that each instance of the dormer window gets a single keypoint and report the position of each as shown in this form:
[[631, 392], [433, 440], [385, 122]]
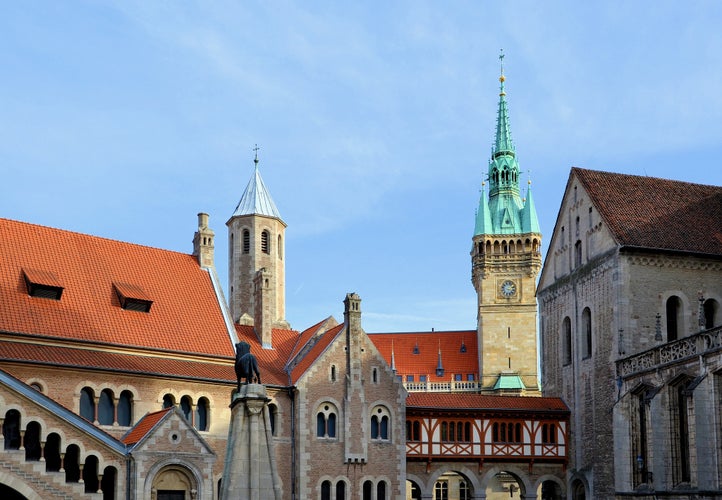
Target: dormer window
[[132, 297], [44, 284]]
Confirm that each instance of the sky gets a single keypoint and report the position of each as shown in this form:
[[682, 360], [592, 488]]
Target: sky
[[374, 122]]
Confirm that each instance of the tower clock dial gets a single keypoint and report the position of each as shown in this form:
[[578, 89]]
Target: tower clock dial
[[508, 288]]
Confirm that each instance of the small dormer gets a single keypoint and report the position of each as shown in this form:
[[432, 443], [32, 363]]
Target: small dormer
[[132, 297], [44, 284]]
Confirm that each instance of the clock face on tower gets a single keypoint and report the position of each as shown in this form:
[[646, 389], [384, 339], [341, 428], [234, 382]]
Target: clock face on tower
[[508, 288]]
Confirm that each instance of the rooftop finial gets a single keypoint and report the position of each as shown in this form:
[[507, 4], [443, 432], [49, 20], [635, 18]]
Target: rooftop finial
[[255, 151], [501, 73]]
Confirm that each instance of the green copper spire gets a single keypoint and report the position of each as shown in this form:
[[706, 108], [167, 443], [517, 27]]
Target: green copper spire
[[529, 220], [504, 212]]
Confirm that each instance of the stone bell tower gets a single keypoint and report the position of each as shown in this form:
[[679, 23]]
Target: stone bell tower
[[256, 267], [506, 260]]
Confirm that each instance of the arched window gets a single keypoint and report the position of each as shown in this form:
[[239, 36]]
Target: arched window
[[333, 373], [106, 407], [381, 490], [186, 406], [441, 490], [674, 308], [90, 474], [201, 417], [567, 340], [71, 464], [246, 241], [326, 421], [265, 242], [168, 401], [11, 430], [125, 408], [273, 414], [87, 404], [341, 490], [368, 489], [108, 483], [587, 332], [31, 441], [711, 307], [52, 452], [464, 490], [326, 490], [380, 423]]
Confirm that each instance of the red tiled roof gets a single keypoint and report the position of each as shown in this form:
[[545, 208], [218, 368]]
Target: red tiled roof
[[185, 316], [144, 426], [271, 362], [482, 402], [429, 343], [217, 370], [315, 351], [649, 212]]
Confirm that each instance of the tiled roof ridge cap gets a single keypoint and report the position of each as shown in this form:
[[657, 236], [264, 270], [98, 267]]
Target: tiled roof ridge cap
[[321, 328], [88, 235], [583, 172]]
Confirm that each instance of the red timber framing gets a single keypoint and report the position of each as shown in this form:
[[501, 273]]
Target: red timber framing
[[488, 434]]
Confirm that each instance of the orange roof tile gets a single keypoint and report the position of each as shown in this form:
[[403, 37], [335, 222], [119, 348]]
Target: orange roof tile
[[220, 369], [318, 348], [648, 212], [145, 425], [482, 402], [185, 316], [425, 362], [271, 362]]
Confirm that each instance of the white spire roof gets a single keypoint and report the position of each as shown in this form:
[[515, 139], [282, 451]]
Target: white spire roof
[[256, 199]]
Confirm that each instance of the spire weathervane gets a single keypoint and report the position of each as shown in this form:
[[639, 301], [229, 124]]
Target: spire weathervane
[[501, 72], [255, 151]]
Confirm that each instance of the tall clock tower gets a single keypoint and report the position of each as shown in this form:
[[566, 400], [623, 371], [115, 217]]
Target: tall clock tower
[[506, 260]]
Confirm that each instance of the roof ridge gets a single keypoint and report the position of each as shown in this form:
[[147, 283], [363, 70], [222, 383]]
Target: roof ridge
[[94, 236]]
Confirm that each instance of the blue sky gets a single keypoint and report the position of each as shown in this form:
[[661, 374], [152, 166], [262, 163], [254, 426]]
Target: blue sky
[[374, 121]]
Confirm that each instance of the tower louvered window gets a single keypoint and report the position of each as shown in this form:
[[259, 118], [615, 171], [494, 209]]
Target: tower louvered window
[[265, 242], [246, 241]]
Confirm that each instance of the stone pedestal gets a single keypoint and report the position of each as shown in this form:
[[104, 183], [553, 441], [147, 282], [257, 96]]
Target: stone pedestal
[[250, 470]]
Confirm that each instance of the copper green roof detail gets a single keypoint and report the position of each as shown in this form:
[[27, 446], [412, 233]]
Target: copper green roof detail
[[256, 199], [505, 212], [508, 381], [529, 219]]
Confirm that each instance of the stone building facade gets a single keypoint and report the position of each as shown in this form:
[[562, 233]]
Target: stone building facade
[[629, 303]]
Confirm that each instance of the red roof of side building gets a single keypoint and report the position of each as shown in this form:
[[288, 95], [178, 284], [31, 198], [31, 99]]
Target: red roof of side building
[[145, 425], [482, 402], [417, 354], [185, 315], [660, 214]]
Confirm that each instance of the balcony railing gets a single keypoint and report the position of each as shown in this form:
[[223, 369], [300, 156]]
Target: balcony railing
[[671, 352], [448, 386]]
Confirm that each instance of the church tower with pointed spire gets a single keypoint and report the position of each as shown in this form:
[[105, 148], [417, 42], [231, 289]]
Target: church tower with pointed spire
[[506, 260], [256, 269]]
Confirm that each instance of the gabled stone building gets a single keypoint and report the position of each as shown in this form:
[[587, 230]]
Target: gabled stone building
[[629, 302]]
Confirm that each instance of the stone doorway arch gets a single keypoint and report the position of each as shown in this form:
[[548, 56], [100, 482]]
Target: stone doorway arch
[[174, 482]]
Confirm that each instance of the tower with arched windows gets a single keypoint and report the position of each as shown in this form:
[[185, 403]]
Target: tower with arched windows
[[506, 259], [256, 269]]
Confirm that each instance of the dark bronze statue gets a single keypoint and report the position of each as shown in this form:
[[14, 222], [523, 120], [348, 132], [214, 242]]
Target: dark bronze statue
[[246, 365]]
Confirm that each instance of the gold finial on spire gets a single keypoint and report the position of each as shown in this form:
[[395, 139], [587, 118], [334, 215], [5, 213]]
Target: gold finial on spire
[[501, 75]]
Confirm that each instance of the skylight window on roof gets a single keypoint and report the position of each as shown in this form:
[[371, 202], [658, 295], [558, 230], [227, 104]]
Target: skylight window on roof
[[44, 284], [132, 297]]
